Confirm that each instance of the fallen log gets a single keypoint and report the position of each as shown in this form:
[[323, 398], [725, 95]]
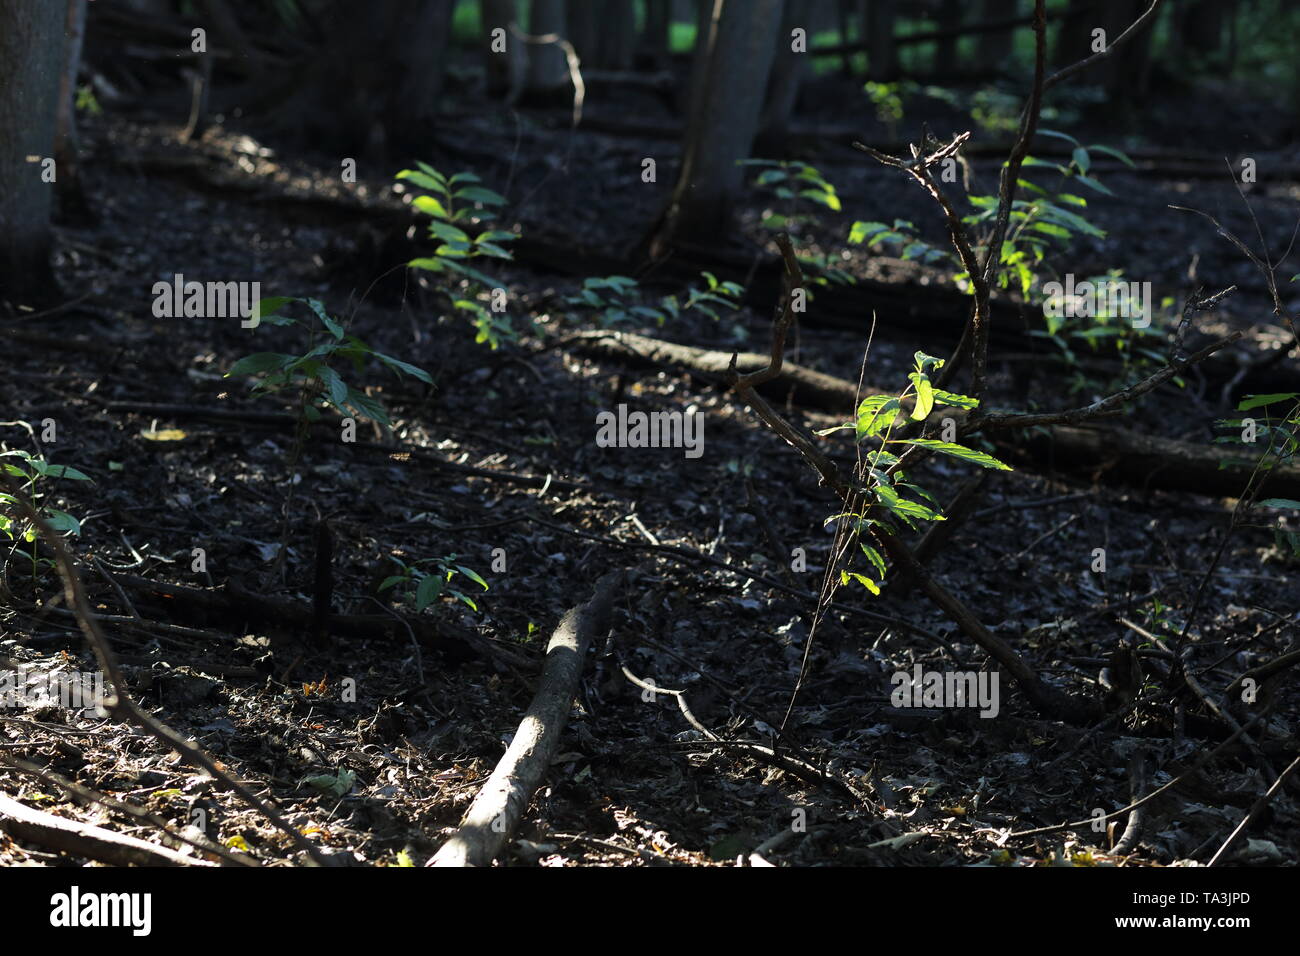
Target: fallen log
[[496, 811], [84, 839], [234, 602], [1109, 453]]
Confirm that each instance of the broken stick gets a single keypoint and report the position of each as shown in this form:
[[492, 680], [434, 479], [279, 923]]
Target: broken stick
[[496, 811]]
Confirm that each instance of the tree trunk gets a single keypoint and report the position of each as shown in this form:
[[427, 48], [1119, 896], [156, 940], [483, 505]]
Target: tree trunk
[[656, 38], [31, 57], [882, 53], [995, 48], [373, 88], [946, 50], [504, 69], [736, 58], [788, 71], [617, 32], [548, 70], [72, 201]]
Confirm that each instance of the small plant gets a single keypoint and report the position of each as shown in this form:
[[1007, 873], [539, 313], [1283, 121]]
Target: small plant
[[1038, 224], [312, 374], [1133, 344], [890, 499], [34, 473], [86, 101], [425, 581], [454, 205], [795, 184], [612, 298], [1280, 435]]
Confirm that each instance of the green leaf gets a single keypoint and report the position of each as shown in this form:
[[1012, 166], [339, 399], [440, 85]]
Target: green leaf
[[924, 396], [423, 180], [428, 591], [1255, 401], [65, 471], [271, 304], [472, 575], [365, 405], [1058, 135], [874, 557], [958, 401], [1280, 503], [863, 231], [391, 581], [479, 194], [334, 386], [260, 362], [464, 178], [866, 582], [959, 451], [1094, 185], [876, 413], [923, 361], [1082, 159], [62, 522], [403, 367], [902, 506], [430, 206], [1111, 151], [448, 233]]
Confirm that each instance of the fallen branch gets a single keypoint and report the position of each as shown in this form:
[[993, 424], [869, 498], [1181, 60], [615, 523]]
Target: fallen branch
[[84, 839], [1114, 453], [459, 643], [120, 706], [497, 809]]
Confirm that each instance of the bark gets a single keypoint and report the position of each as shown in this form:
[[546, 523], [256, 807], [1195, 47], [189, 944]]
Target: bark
[[548, 70], [616, 29], [735, 60], [31, 59], [788, 71], [72, 200], [500, 804], [946, 50], [373, 88], [85, 839], [882, 51], [995, 47], [504, 69], [1106, 453], [655, 39]]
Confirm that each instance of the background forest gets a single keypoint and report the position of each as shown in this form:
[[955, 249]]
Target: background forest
[[649, 432]]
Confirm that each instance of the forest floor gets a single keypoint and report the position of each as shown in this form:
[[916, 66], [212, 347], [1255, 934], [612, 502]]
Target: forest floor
[[384, 777]]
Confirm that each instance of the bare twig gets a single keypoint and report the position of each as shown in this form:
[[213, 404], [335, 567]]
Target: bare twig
[[121, 706]]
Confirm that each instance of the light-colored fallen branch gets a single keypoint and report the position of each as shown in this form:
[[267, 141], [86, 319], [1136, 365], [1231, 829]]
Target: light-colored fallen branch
[[90, 797], [83, 839], [500, 804], [119, 704]]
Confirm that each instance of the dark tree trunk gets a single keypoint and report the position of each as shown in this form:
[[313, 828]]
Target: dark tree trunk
[[882, 52], [31, 59], [788, 70], [946, 60], [995, 48], [548, 69], [72, 200], [617, 32], [373, 89], [1124, 75], [735, 58], [504, 69], [656, 37]]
